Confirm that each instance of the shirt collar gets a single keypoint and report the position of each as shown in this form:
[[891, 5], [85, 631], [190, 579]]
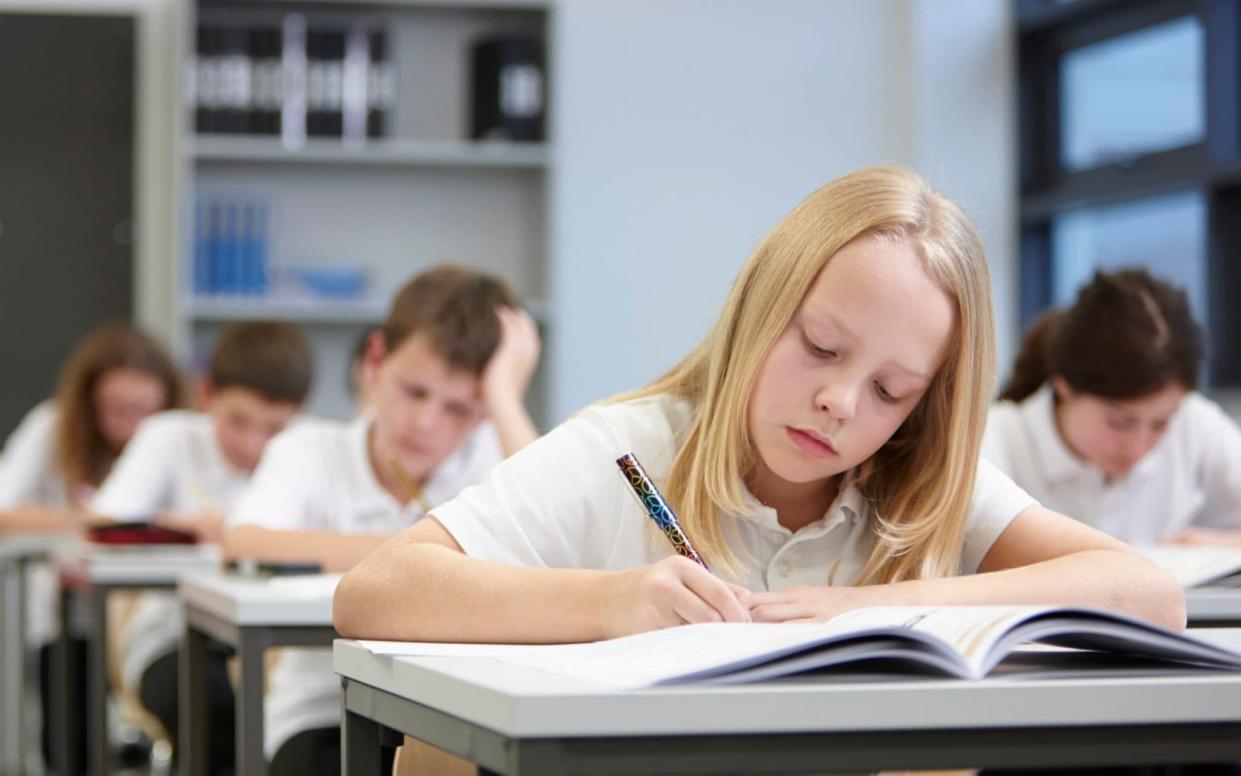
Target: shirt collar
[[371, 495], [849, 505]]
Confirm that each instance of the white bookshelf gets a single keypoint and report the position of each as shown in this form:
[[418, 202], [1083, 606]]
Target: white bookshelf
[[390, 207], [206, 149]]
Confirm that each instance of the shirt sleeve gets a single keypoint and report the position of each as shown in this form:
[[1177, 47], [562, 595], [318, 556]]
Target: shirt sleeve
[[993, 447], [997, 500], [553, 504], [283, 489], [26, 465], [1218, 464], [140, 483]]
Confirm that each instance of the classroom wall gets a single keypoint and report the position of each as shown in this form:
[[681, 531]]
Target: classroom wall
[[686, 129]]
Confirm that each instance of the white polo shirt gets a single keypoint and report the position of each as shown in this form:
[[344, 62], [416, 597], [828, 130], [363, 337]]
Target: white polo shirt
[[28, 477], [1192, 476], [318, 477], [173, 463], [28, 474], [561, 503]]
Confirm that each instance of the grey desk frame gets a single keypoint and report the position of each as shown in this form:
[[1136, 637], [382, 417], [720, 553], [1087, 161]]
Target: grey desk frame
[[1214, 607], [568, 728], [145, 569], [17, 554], [249, 641]]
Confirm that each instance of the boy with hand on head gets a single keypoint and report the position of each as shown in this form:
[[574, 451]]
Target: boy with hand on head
[[185, 469], [450, 367]]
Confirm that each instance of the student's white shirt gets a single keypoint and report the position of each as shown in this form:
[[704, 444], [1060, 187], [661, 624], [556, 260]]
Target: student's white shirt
[[561, 503], [28, 474], [29, 477], [173, 463], [318, 477], [1192, 476]]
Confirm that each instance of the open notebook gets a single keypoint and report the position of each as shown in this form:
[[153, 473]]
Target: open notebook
[[1199, 566], [962, 641]]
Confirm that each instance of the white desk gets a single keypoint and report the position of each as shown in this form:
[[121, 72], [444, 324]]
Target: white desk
[[1214, 607], [517, 720], [16, 554], [249, 615], [89, 573]]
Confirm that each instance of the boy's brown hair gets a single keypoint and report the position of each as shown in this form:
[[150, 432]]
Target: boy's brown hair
[[271, 358], [82, 454], [455, 309]]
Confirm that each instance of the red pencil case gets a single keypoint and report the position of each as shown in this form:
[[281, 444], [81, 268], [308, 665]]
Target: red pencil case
[[137, 533]]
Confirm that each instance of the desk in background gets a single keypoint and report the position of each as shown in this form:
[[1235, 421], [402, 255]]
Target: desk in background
[[249, 615], [87, 575], [17, 554]]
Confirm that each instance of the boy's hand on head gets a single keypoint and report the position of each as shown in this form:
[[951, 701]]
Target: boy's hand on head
[[510, 368], [674, 591], [807, 604]]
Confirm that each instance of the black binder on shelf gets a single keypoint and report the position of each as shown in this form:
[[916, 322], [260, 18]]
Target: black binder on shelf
[[508, 89]]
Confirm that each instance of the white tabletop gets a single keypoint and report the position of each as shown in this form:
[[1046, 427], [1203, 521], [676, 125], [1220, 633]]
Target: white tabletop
[[523, 702], [17, 546], [292, 600], [137, 565]]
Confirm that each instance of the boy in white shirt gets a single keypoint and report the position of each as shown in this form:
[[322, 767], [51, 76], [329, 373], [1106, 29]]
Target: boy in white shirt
[[185, 469], [449, 366]]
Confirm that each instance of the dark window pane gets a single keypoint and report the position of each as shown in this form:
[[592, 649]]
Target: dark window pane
[[1165, 234], [1133, 94]]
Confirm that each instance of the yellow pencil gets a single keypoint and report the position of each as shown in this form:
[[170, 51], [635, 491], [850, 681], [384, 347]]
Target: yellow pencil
[[415, 492]]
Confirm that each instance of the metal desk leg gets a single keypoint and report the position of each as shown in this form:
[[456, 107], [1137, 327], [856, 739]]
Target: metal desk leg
[[11, 651], [359, 744], [193, 738], [252, 643], [97, 681], [65, 745]]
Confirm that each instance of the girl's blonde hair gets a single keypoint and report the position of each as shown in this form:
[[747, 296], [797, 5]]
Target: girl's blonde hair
[[82, 455], [919, 484]]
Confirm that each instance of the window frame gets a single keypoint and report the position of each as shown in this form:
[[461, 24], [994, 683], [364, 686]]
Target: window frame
[[1046, 31]]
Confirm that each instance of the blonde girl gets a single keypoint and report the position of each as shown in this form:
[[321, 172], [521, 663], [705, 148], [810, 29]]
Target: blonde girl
[[820, 447]]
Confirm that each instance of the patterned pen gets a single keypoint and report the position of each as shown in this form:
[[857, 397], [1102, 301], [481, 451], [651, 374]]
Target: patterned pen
[[653, 502]]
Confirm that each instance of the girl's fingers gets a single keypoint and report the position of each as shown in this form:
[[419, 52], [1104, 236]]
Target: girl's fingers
[[716, 593], [782, 612], [691, 608]]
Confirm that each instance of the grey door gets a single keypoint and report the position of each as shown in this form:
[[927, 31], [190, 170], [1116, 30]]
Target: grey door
[[66, 192]]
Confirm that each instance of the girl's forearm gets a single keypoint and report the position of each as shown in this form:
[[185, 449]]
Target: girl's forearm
[[1116, 580], [417, 591]]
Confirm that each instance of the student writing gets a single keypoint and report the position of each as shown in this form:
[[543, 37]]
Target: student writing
[[186, 469], [450, 366], [1101, 418], [820, 448]]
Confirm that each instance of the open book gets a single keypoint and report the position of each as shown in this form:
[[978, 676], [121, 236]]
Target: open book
[[1199, 566], [961, 641]]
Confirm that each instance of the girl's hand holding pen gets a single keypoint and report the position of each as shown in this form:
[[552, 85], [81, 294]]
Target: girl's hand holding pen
[[674, 591]]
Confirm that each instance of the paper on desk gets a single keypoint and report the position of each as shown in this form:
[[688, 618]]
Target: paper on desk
[[437, 649], [309, 585]]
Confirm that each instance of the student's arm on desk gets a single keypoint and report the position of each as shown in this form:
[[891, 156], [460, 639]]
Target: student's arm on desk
[[1042, 558], [420, 586], [333, 552], [42, 520]]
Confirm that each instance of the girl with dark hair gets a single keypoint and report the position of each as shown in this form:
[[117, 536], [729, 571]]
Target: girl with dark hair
[[1101, 419]]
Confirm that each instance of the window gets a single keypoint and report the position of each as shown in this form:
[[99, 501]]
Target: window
[[1133, 94], [1166, 235], [1130, 153]]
